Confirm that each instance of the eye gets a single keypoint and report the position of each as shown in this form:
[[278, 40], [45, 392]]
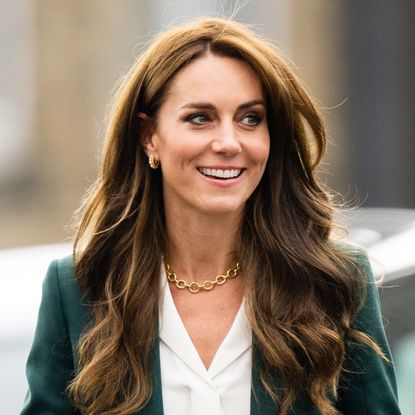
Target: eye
[[197, 119], [251, 119]]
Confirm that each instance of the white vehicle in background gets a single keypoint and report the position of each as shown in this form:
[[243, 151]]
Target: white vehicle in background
[[387, 234]]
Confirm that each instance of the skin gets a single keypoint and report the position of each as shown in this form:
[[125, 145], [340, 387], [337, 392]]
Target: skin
[[214, 117]]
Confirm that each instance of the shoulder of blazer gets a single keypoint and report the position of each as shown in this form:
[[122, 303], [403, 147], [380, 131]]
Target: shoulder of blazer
[[52, 360], [75, 308], [64, 273], [367, 384]]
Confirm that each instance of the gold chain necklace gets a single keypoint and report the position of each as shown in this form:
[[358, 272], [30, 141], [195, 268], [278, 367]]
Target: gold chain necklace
[[194, 286]]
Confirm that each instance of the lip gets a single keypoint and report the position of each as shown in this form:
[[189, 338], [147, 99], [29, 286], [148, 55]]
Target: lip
[[222, 167]]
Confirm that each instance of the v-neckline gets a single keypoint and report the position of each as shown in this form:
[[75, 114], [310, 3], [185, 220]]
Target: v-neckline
[[261, 402], [173, 333]]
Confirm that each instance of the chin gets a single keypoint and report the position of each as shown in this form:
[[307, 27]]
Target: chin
[[222, 208]]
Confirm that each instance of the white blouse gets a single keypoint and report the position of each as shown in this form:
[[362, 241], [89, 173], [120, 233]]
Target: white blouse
[[189, 388]]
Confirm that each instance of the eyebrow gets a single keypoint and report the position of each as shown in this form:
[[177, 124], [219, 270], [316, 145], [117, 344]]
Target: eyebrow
[[208, 106]]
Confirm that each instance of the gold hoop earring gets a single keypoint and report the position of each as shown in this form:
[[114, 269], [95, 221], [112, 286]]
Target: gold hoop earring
[[153, 162]]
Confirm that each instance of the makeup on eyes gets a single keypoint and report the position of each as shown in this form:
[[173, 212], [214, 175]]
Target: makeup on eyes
[[201, 118]]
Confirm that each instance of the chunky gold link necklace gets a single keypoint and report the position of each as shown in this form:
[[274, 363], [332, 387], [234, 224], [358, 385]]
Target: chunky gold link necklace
[[194, 287]]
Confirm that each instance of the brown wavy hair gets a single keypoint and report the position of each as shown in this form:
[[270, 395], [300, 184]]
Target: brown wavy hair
[[301, 289]]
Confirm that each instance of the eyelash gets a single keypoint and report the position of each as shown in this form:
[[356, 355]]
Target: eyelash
[[191, 119]]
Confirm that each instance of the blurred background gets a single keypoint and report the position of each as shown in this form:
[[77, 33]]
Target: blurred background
[[60, 60]]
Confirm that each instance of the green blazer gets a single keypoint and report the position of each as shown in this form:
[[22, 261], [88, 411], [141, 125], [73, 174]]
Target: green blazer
[[370, 388]]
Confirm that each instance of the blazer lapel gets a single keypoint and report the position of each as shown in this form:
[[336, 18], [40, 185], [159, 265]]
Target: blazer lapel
[[155, 404], [261, 402]]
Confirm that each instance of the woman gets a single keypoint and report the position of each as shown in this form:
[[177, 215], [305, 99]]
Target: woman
[[204, 279]]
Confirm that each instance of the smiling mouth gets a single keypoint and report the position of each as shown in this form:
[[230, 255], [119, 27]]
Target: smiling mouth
[[223, 174]]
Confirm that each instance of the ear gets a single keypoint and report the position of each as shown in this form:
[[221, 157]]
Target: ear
[[147, 134]]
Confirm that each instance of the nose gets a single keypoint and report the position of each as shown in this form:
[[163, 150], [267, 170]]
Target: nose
[[226, 142]]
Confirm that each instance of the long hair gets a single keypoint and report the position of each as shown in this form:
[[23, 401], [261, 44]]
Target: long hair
[[301, 290]]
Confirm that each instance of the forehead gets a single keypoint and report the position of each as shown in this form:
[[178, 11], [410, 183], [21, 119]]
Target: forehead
[[215, 78]]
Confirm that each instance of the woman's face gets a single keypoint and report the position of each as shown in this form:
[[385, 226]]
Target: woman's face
[[211, 137]]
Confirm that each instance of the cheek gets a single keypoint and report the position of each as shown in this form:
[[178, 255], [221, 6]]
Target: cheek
[[180, 152], [184, 146], [260, 151]]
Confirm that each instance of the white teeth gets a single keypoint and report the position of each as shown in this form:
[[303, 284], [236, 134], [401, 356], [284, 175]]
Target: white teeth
[[223, 174]]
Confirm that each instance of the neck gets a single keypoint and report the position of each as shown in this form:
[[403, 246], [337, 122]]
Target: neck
[[201, 247]]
